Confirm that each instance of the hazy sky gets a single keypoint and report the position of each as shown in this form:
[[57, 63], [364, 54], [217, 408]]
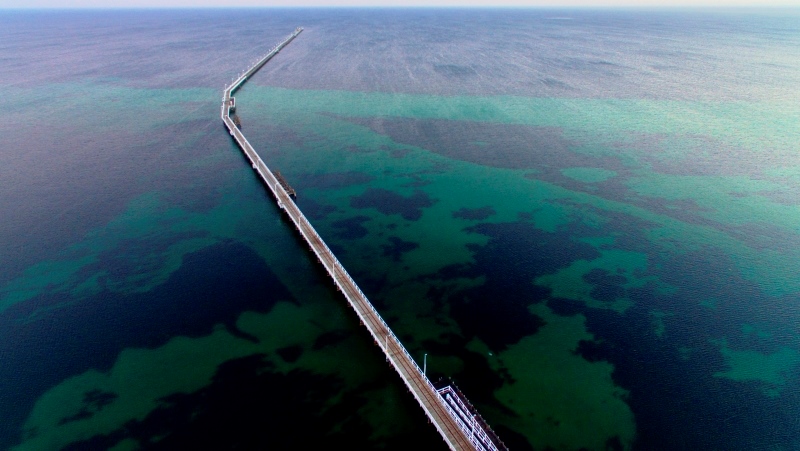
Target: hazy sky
[[331, 3]]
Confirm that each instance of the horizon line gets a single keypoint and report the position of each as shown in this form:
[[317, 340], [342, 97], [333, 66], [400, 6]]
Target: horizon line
[[639, 6]]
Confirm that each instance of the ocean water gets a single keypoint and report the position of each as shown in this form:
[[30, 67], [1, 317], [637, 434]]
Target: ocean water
[[587, 219]]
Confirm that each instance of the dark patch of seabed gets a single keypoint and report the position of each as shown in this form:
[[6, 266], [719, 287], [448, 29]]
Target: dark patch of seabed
[[474, 214], [398, 247], [388, 202], [351, 228]]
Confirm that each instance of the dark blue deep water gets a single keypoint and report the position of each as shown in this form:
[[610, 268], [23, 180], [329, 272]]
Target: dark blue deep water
[[588, 219]]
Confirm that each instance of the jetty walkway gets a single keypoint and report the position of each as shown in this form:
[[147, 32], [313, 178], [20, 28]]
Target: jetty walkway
[[456, 420]]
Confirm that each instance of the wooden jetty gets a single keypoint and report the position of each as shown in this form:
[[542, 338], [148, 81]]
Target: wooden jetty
[[458, 429]]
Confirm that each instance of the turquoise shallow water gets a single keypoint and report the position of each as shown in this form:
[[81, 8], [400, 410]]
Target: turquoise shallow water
[[587, 219]]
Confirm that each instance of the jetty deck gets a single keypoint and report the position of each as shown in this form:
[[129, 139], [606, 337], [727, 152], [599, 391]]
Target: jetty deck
[[458, 428]]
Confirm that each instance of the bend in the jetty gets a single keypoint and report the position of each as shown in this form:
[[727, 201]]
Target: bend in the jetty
[[452, 415]]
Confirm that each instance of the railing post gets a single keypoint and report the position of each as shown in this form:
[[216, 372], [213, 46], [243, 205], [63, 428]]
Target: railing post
[[472, 435]]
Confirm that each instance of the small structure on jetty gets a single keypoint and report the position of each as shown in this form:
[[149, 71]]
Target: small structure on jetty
[[479, 429], [285, 184], [453, 416]]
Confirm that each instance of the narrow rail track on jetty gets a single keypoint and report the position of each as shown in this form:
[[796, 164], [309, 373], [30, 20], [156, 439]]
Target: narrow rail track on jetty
[[460, 425]]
